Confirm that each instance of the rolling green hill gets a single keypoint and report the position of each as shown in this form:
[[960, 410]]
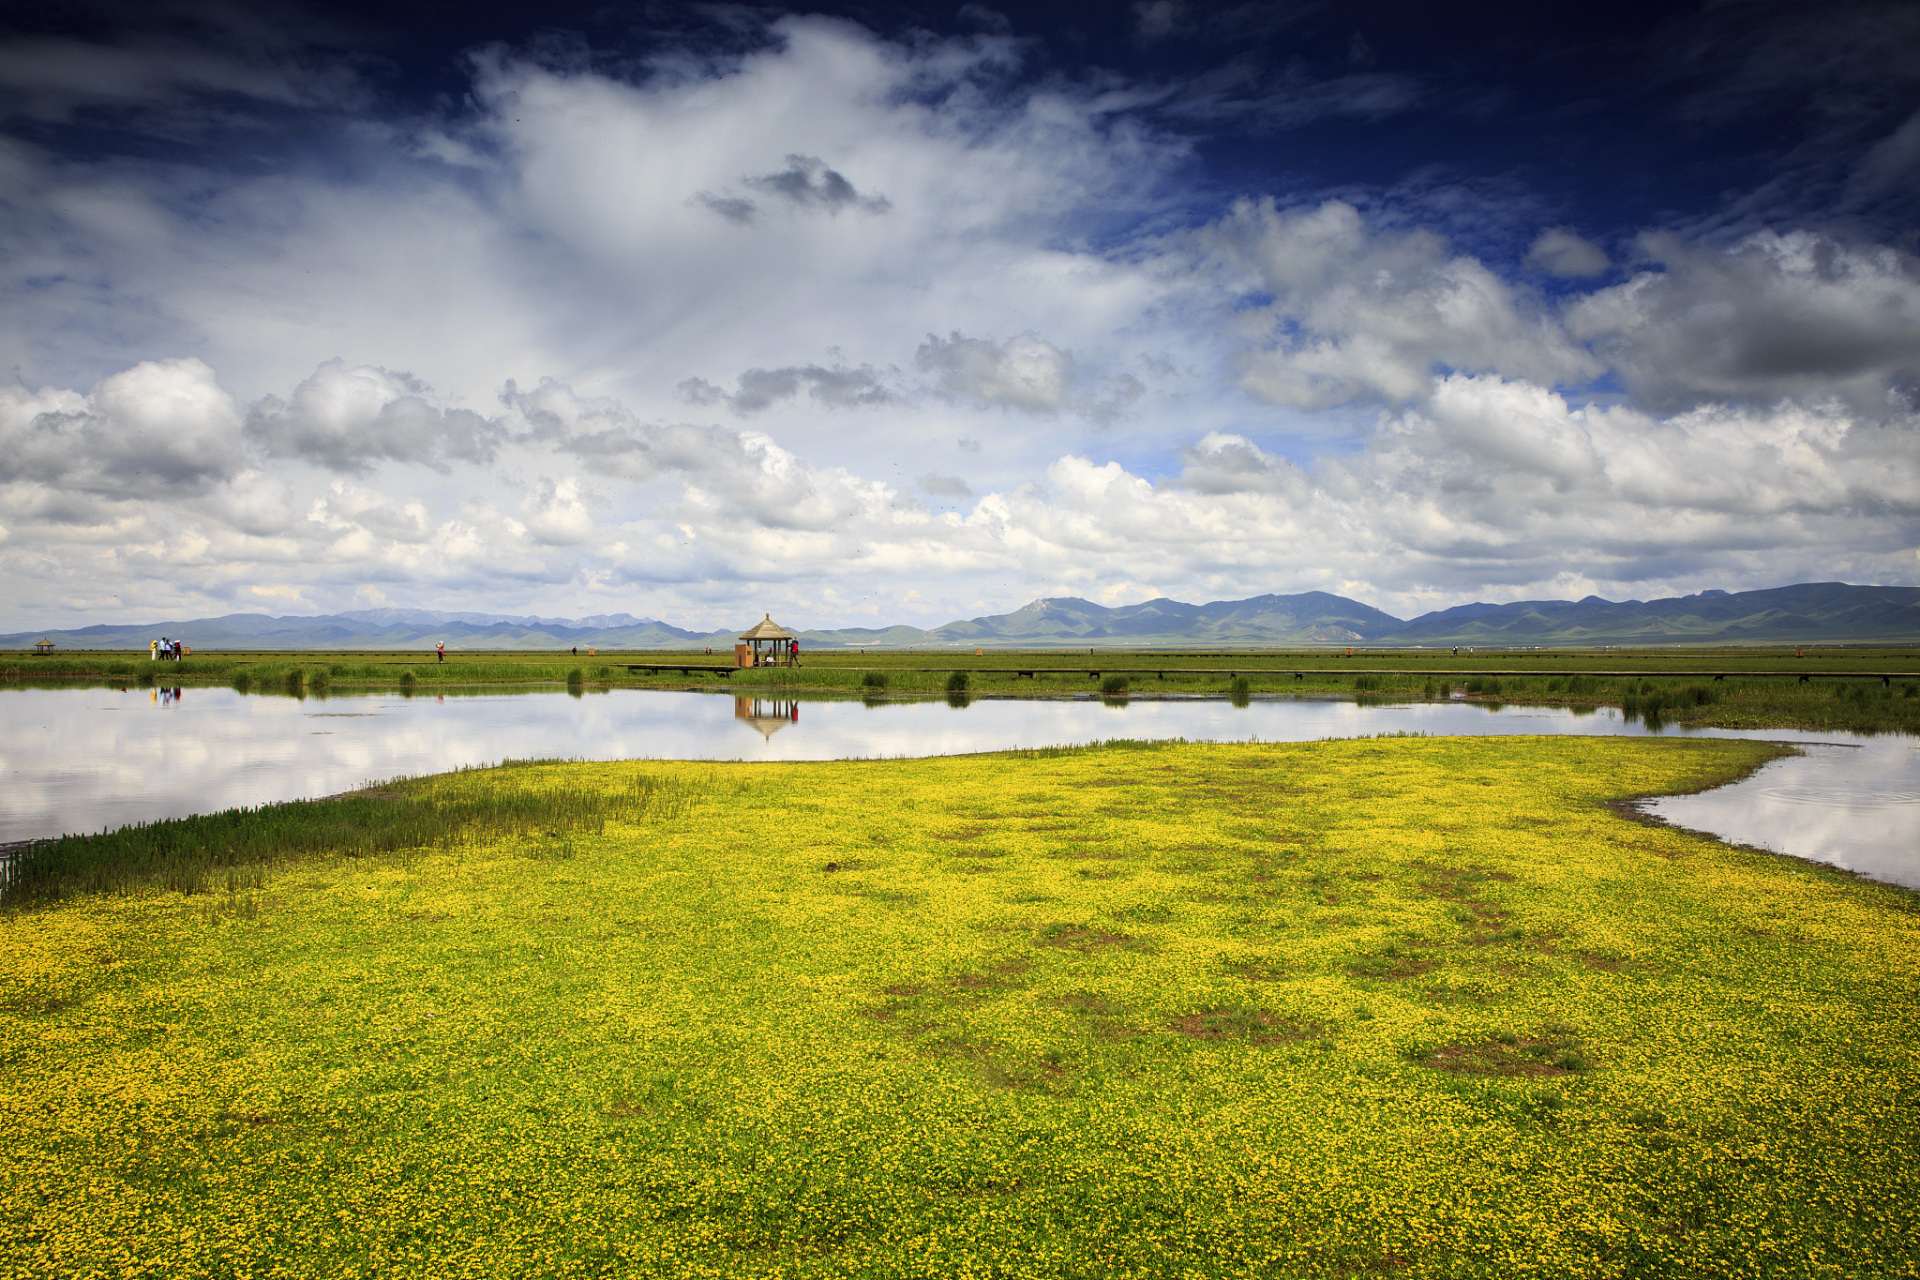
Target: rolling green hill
[[1807, 613]]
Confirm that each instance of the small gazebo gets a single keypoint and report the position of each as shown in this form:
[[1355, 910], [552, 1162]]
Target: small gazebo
[[43, 645], [781, 645]]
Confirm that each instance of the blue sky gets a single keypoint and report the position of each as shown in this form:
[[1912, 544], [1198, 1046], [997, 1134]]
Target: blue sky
[[890, 312]]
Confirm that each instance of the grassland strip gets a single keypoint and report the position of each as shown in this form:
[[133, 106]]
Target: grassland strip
[[1862, 689], [1422, 1007]]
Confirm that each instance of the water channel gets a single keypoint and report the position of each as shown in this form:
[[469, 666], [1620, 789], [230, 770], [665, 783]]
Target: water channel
[[82, 760]]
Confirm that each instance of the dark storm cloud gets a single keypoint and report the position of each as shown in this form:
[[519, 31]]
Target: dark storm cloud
[[806, 183], [732, 208], [758, 389], [1797, 315]]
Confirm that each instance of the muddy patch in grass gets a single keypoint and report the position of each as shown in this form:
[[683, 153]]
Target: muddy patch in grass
[[1103, 1016], [1260, 969], [1394, 962], [1079, 937], [1256, 1026], [1506, 1054]]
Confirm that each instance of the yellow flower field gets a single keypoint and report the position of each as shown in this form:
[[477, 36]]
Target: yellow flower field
[[1413, 1007]]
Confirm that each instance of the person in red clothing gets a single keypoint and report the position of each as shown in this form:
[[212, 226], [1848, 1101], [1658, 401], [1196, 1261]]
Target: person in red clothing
[[441, 650]]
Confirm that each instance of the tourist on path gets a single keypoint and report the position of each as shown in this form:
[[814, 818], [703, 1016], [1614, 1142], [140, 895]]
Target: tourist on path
[[441, 650]]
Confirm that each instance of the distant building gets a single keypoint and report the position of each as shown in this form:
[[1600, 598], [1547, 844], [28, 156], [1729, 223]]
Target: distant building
[[779, 644], [43, 645]]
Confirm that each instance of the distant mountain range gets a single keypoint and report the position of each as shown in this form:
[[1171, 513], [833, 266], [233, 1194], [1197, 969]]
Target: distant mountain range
[[1811, 612]]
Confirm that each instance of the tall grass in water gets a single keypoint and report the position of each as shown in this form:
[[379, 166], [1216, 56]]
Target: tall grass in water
[[201, 854]]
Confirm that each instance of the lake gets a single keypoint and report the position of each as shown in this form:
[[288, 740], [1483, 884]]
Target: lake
[[82, 760]]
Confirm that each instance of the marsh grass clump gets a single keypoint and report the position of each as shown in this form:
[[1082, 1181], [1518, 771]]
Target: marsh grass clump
[[407, 680], [191, 855], [958, 682], [874, 680], [1366, 684], [1113, 687], [241, 682], [1483, 685]]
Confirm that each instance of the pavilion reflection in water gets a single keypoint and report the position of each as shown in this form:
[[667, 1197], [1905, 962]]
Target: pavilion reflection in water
[[768, 715]]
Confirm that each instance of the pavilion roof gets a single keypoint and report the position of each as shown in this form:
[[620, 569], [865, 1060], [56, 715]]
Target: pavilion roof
[[767, 629]]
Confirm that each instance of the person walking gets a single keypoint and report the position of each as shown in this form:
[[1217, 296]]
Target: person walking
[[440, 651]]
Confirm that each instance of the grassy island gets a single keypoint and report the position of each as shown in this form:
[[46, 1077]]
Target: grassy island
[[1869, 689], [1418, 1007]]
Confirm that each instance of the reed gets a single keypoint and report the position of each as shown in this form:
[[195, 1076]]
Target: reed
[[192, 855]]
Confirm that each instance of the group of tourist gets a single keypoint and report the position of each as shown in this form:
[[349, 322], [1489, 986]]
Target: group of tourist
[[172, 650]]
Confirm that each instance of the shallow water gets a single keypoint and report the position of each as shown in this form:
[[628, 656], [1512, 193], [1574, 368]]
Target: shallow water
[[93, 759], [1856, 807]]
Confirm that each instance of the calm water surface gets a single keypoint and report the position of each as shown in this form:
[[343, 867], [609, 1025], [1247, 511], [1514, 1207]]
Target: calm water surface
[[91, 759]]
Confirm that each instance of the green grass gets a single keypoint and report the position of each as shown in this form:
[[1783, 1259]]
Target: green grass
[[196, 855], [1683, 689], [1423, 1007]]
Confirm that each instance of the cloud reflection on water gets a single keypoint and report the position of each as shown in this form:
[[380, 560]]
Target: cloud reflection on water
[[1855, 806], [87, 759]]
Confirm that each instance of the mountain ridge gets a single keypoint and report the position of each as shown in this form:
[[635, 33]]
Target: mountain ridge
[[1808, 612]]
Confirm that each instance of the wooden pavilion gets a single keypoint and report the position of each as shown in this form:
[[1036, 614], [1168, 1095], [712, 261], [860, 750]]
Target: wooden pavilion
[[43, 645], [781, 646]]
